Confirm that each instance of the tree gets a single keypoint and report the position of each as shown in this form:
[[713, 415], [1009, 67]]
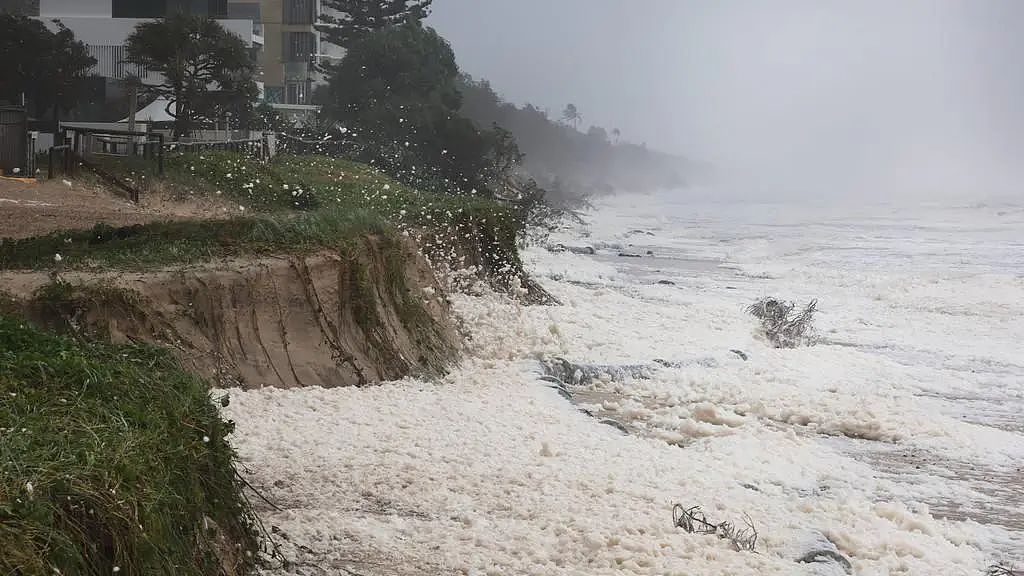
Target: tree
[[598, 134], [205, 70], [395, 92], [503, 162], [356, 19], [50, 69], [267, 118], [616, 133], [22, 40], [571, 115]]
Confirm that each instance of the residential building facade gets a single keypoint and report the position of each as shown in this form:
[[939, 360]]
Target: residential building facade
[[104, 25], [293, 50], [290, 46], [282, 34]]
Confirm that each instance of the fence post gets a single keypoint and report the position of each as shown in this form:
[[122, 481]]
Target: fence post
[[75, 141], [133, 106], [160, 154], [30, 154], [27, 142], [67, 155]]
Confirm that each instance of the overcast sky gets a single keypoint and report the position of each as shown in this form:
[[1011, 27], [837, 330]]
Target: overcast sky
[[783, 96]]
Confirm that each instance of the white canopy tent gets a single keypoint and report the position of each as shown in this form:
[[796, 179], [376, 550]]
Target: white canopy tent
[[155, 111]]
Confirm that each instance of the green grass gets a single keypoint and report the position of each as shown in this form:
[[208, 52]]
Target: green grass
[[306, 183], [312, 182], [188, 241], [298, 203], [112, 456]]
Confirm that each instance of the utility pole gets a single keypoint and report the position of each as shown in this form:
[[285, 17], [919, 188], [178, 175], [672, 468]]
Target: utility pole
[[133, 106]]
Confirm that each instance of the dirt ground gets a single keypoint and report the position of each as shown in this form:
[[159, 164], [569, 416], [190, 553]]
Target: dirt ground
[[36, 208]]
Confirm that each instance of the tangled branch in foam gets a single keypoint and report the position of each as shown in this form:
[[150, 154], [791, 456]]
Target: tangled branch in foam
[[781, 325], [694, 521]]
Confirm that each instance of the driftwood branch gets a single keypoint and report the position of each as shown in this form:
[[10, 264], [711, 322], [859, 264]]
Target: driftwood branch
[[694, 521], [782, 325]]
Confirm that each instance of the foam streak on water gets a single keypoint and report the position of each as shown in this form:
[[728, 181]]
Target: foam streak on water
[[920, 368]]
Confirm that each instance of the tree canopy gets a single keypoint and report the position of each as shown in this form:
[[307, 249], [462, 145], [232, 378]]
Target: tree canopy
[[345, 22], [205, 70], [395, 93], [49, 67], [565, 160]]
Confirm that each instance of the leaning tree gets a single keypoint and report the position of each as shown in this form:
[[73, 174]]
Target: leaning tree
[[204, 69]]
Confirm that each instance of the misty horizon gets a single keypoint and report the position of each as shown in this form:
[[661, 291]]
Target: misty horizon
[[791, 97]]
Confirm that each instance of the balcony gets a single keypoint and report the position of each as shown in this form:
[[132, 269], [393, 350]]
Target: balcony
[[298, 71], [244, 29]]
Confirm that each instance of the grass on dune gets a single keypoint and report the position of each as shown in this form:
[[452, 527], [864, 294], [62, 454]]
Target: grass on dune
[[296, 203], [187, 241], [310, 182], [112, 459], [292, 183]]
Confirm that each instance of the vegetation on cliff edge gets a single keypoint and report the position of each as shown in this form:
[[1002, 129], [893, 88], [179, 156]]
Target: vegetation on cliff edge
[[113, 459], [291, 204]]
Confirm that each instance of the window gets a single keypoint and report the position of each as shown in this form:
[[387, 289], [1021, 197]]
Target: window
[[297, 93], [211, 8], [161, 8], [299, 11], [247, 11], [244, 11], [274, 94], [139, 8], [298, 46], [22, 7]]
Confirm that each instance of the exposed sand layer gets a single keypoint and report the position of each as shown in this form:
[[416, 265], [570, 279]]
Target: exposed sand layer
[[290, 321]]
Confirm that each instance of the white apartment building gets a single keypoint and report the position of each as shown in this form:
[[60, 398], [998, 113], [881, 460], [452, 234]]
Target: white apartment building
[[281, 33], [104, 25]]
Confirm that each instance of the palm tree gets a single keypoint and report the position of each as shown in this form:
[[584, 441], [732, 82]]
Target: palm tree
[[572, 115], [616, 134]]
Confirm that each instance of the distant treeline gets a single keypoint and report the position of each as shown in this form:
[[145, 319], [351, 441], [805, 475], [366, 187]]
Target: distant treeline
[[568, 162]]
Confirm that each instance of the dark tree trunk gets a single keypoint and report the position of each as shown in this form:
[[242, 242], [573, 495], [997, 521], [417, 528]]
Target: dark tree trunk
[[56, 125], [181, 116]]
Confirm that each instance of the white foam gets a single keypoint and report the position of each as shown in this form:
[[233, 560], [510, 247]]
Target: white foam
[[483, 474], [488, 471]]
